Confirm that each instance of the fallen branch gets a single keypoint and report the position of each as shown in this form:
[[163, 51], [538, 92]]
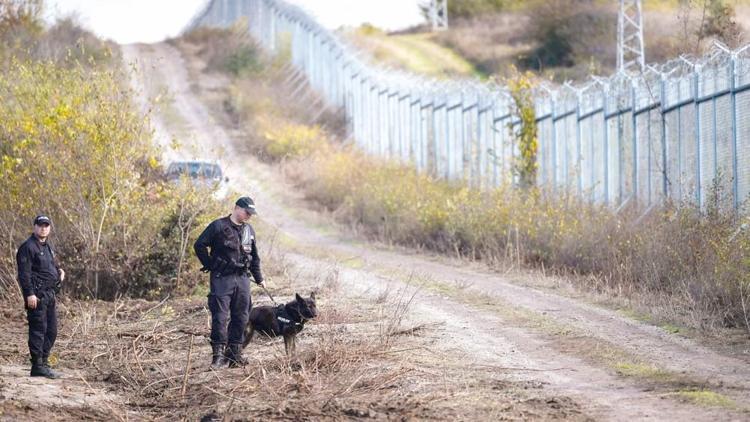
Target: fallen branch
[[187, 368]]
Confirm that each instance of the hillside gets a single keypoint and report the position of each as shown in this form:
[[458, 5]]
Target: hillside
[[560, 40], [416, 52]]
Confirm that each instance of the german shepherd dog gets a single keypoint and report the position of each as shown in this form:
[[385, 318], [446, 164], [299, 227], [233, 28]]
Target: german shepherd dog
[[283, 320]]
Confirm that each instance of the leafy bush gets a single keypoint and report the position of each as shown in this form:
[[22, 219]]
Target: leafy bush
[[244, 59], [562, 32], [288, 140], [74, 147], [520, 87]]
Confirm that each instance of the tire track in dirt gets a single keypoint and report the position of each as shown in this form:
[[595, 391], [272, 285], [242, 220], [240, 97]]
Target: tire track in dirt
[[464, 332]]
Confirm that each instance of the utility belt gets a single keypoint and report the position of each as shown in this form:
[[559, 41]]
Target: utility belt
[[224, 267], [45, 287], [41, 284]]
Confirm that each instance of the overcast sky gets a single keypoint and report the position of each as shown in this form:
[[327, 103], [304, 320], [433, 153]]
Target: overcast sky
[[127, 21]]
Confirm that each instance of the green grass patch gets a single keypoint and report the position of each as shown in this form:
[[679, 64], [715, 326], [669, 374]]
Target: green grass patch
[[635, 315], [672, 329], [418, 53], [642, 371], [648, 319], [707, 398], [353, 262]]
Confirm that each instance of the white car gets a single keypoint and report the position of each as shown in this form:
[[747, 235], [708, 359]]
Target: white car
[[200, 173]]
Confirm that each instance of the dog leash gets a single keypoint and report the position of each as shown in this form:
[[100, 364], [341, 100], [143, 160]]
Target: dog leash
[[269, 294]]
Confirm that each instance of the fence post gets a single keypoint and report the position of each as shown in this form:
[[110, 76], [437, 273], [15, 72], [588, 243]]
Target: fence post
[[733, 96], [634, 135], [437, 105], [665, 163], [553, 152], [579, 153], [698, 178], [605, 149], [680, 163], [714, 137]]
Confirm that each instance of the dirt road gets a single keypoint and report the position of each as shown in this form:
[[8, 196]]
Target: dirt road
[[613, 367]]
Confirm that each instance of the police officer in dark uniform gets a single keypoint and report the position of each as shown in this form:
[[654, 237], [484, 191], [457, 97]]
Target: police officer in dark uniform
[[40, 275], [233, 254]]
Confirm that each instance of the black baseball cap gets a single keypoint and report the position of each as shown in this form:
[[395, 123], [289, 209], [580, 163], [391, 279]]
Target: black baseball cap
[[247, 203], [42, 219]]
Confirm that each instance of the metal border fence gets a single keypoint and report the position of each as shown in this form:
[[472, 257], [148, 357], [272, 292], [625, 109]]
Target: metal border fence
[[679, 131]]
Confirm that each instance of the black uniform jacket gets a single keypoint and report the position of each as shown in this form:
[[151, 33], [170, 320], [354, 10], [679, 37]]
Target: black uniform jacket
[[223, 238], [38, 269]]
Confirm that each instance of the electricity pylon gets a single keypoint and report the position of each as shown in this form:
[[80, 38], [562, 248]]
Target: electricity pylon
[[630, 57], [439, 14]]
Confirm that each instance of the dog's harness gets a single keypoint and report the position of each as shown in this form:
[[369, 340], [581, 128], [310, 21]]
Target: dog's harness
[[284, 318], [288, 321], [282, 314]]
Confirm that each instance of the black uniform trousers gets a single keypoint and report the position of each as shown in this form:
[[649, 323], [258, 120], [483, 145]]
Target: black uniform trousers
[[42, 325], [230, 301]]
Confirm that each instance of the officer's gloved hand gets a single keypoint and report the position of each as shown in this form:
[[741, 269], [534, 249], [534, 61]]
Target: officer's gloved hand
[[261, 284]]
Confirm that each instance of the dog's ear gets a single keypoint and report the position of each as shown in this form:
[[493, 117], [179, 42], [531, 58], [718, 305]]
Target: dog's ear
[[299, 298], [312, 295]]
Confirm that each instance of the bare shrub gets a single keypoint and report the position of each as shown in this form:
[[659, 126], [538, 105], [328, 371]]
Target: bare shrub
[[491, 42], [228, 50], [20, 27], [67, 43], [156, 356]]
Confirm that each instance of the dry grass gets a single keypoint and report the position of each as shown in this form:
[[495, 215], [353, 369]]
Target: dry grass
[[415, 52], [685, 265], [359, 359]]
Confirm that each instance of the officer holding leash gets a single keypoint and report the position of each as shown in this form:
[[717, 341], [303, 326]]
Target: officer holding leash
[[40, 275], [233, 254]]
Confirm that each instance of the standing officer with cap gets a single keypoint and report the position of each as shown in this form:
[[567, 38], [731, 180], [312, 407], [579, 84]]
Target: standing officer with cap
[[233, 254], [40, 275]]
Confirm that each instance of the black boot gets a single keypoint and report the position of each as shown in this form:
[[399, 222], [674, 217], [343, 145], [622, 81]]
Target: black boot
[[39, 370], [234, 356], [45, 362], [218, 360]]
